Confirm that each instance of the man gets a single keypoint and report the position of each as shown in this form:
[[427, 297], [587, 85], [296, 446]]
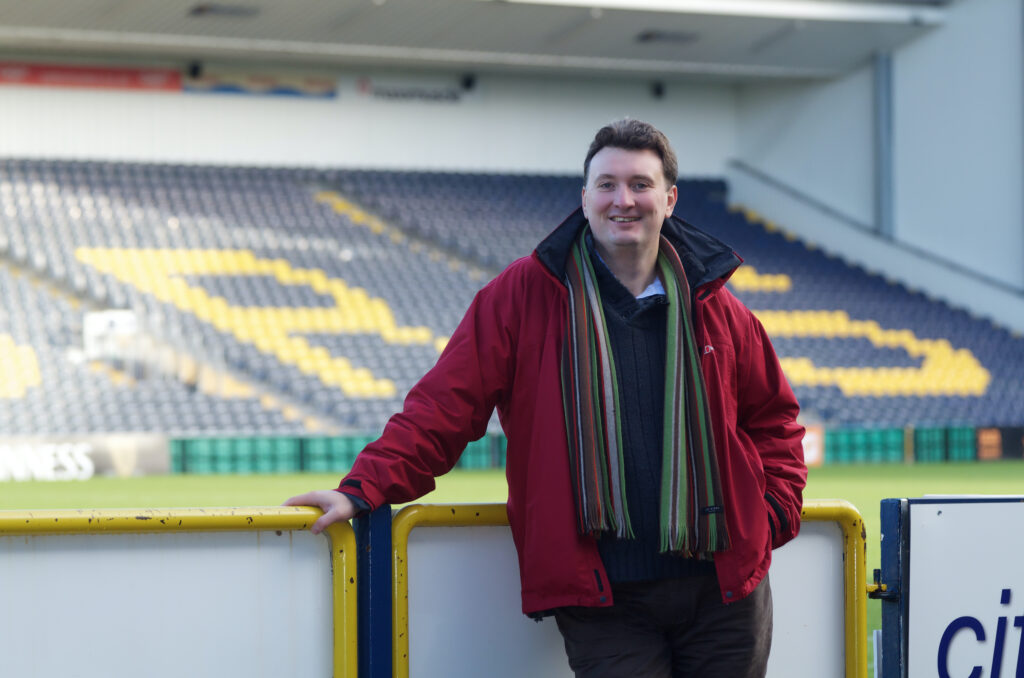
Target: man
[[654, 458]]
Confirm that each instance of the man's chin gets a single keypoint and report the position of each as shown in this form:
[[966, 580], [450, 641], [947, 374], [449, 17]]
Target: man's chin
[[627, 241]]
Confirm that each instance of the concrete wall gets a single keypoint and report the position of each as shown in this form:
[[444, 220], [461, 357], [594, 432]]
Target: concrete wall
[[958, 147], [959, 139], [816, 136], [504, 123]]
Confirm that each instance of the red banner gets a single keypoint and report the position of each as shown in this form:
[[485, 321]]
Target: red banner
[[54, 75]]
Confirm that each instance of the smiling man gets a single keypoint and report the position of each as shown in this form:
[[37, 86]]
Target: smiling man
[[625, 203], [654, 457]]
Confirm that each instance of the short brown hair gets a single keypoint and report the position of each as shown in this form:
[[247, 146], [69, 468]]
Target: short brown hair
[[634, 135]]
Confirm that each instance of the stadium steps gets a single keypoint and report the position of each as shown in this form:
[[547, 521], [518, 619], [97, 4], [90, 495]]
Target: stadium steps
[[194, 373]]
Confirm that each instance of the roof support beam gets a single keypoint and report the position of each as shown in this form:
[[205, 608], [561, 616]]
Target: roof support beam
[[884, 174], [766, 9]]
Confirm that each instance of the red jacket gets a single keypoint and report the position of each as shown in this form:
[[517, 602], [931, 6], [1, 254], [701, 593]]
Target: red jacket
[[506, 353]]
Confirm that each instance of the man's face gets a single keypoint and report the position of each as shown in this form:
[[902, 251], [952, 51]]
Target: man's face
[[626, 199]]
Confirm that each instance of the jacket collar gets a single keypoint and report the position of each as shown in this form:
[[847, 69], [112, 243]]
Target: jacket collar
[[705, 258]]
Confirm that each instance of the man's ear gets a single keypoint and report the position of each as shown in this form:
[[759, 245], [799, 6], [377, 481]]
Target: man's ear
[[673, 197], [583, 201]]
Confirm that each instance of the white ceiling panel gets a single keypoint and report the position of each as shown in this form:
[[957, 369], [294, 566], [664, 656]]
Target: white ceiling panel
[[663, 38]]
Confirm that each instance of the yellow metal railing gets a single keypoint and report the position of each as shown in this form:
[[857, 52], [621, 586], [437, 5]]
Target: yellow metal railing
[[855, 600], [102, 521], [841, 512]]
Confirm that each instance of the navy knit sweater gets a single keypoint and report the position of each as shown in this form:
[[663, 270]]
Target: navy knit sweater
[[636, 329]]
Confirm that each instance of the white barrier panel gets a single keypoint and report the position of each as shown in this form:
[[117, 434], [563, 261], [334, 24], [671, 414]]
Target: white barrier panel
[[965, 591], [465, 611], [458, 607], [807, 595], [236, 602]]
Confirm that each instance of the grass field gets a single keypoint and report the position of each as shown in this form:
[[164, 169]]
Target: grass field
[[863, 486]]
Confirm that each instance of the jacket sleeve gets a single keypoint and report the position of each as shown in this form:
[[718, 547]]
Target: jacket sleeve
[[449, 407], [767, 413]]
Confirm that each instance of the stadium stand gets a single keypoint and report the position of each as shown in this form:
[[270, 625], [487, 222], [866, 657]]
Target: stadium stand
[[244, 269], [49, 389], [338, 288]]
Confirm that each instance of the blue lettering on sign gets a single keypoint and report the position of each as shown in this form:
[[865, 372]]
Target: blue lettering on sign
[[972, 623], [947, 638]]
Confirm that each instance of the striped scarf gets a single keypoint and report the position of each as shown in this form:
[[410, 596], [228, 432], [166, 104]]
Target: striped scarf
[[692, 518]]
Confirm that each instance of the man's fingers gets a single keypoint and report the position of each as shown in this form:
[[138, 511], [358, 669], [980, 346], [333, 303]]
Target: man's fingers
[[322, 522], [336, 506], [307, 499], [316, 500]]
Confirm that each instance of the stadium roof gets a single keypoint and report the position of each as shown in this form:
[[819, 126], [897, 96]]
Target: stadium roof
[[720, 39]]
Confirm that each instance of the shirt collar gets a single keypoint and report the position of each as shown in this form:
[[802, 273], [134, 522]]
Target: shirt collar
[[654, 288]]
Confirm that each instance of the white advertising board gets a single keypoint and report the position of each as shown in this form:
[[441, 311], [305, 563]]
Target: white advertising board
[[465, 611], [465, 616], [807, 594], [965, 614], [248, 603]]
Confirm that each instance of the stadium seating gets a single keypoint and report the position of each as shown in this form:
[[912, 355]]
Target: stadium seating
[[243, 268], [48, 387], [338, 289]]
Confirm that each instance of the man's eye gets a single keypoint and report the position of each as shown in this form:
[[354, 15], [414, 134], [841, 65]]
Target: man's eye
[[605, 184], [641, 186]]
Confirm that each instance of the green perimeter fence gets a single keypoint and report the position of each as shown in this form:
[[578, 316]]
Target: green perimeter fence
[[290, 454]]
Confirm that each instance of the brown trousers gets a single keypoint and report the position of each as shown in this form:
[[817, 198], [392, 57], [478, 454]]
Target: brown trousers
[[674, 628]]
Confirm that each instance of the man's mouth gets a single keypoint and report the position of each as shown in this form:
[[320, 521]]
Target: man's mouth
[[625, 220]]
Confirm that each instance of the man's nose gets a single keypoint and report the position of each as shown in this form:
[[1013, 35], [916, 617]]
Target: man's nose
[[624, 196]]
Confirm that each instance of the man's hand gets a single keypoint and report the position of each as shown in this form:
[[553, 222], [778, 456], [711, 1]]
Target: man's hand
[[335, 505]]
